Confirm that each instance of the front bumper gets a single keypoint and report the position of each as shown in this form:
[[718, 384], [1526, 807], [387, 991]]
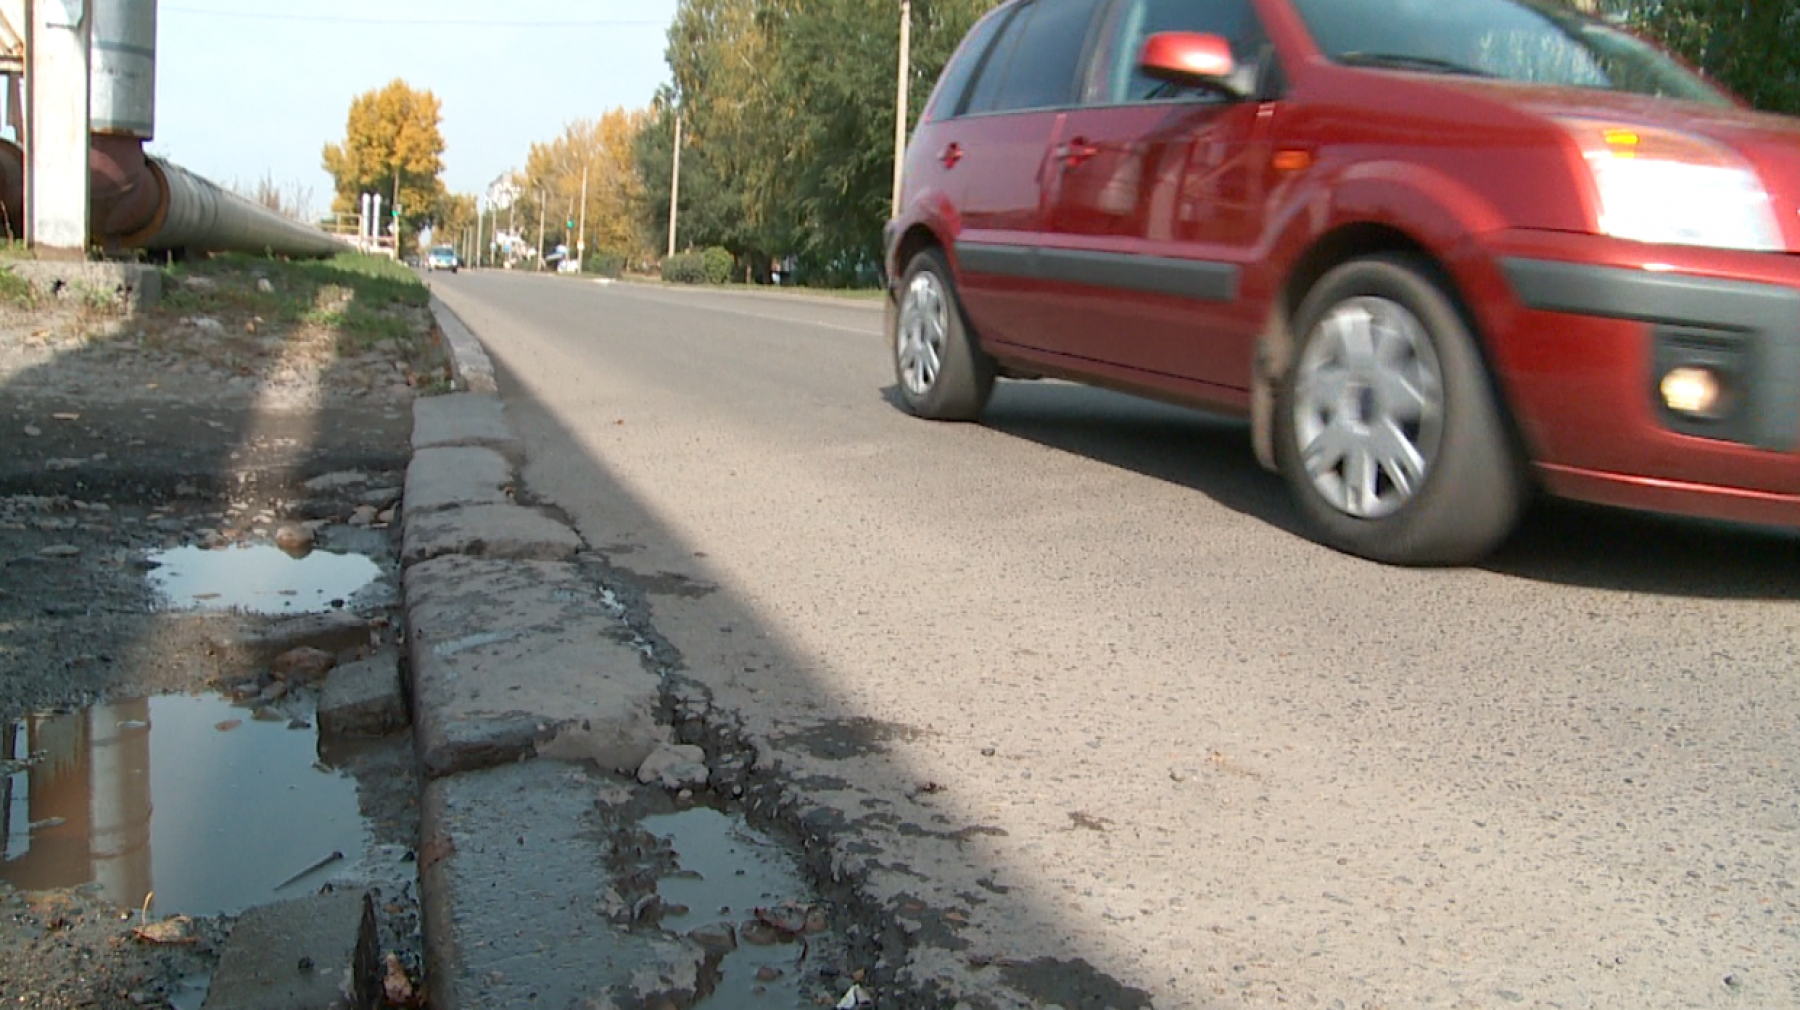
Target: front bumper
[[1588, 329]]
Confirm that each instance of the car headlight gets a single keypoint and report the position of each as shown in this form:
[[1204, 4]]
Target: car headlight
[[1658, 185]]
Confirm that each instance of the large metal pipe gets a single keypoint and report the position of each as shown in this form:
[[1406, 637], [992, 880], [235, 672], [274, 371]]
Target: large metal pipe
[[139, 202], [198, 215], [122, 68]]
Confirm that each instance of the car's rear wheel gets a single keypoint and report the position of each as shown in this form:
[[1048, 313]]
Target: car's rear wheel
[[941, 372], [1388, 430]]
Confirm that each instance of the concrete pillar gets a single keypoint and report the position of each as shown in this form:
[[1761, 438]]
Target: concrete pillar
[[56, 172]]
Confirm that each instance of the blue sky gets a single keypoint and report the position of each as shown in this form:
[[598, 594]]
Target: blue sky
[[253, 87]]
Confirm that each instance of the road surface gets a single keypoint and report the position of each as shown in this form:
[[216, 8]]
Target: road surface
[[1094, 723]]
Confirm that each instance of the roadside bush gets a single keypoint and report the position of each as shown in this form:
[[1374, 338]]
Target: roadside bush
[[606, 264], [684, 268], [717, 264]]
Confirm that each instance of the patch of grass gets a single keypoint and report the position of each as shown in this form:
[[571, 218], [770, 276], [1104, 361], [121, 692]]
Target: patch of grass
[[291, 290], [365, 299], [16, 290], [361, 328]]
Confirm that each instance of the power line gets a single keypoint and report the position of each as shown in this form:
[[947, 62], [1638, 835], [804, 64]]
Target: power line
[[415, 22]]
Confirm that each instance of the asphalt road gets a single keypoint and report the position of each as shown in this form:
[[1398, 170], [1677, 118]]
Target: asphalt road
[[1097, 720]]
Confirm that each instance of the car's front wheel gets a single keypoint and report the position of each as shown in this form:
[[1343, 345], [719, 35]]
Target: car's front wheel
[[1388, 430], [942, 374]]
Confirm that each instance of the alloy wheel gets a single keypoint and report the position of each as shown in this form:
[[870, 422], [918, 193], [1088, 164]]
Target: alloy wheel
[[1368, 407], [924, 326]]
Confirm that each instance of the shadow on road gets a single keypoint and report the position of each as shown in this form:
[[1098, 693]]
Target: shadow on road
[[1564, 543]]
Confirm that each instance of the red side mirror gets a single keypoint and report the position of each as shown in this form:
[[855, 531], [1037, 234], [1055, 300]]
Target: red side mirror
[[1190, 58]]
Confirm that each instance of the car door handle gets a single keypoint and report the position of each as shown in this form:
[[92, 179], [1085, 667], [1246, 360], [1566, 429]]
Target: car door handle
[[951, 154], [1074, 152]]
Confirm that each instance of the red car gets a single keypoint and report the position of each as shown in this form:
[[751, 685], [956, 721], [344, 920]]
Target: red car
[[1441, 252]]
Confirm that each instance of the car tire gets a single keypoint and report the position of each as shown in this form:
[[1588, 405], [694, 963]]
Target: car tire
[[1388, 429], [941, 371]]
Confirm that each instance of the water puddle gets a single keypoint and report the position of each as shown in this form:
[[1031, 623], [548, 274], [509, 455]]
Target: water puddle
[[190, 797], [728, 871], [260, 579]]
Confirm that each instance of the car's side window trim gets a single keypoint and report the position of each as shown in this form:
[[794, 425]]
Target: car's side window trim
[[1005, 40], [956, 105], [1007, 33]]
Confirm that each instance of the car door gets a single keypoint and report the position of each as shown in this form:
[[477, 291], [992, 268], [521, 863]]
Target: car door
[[999, 144], [1153, 201]]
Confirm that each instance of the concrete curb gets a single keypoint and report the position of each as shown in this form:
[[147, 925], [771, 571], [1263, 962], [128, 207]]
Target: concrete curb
[[517, 664], [469, 364]]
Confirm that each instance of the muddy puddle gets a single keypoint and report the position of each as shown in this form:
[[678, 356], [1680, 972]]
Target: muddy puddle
[[192, 798], [262, 579], [728, 871]]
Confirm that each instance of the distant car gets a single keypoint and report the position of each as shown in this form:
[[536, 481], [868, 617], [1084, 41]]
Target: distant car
[[442, 257], [1440, 254]]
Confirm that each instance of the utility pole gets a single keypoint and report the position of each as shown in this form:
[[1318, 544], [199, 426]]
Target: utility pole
[[674, 183], [543, 212], [900, 100], [478, 249], [581, 239]]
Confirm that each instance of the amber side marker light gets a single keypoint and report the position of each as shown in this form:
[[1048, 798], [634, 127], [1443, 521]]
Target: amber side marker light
[[1693, 391], [1292, 160]]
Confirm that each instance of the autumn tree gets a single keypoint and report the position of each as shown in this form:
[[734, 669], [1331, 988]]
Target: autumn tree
[[605, 150], [392, 146]]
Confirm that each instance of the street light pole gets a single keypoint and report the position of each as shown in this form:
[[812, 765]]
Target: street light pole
[[900, 100]]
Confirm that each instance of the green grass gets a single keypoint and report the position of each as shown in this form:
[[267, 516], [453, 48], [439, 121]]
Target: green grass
[[364, 298], [294, 285], [16, 290]]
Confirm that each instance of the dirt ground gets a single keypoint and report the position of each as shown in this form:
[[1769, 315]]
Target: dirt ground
[[200, 423]]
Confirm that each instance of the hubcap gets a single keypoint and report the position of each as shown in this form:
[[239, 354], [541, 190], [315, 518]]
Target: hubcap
[[924, 324], [1368, 407]]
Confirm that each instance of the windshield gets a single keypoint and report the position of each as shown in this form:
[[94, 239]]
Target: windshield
[[1533, 41], [442, 250]]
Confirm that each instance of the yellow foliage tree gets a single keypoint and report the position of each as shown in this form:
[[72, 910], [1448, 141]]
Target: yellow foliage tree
[[605, 148], [392, 146]]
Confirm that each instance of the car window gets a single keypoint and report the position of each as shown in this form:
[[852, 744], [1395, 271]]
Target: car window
[[1534, 41], [1034, 63], [1118, 78], [947, 101]]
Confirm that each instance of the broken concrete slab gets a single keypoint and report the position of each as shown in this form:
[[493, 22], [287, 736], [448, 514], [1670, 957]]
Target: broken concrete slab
[[518, 658], [515, 914], [314, 953], [489, 531], [460, 419], [674, 766], [363, 698], [448, 478], [259, 641]]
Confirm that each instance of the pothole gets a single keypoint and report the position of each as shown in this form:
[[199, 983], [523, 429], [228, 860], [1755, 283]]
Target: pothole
[[260, 579], [211, 807], [739, 892]]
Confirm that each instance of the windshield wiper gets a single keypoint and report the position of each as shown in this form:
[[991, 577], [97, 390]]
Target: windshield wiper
[[1407, 61]]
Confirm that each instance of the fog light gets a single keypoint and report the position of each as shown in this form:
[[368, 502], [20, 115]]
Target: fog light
[[1694, 391]]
